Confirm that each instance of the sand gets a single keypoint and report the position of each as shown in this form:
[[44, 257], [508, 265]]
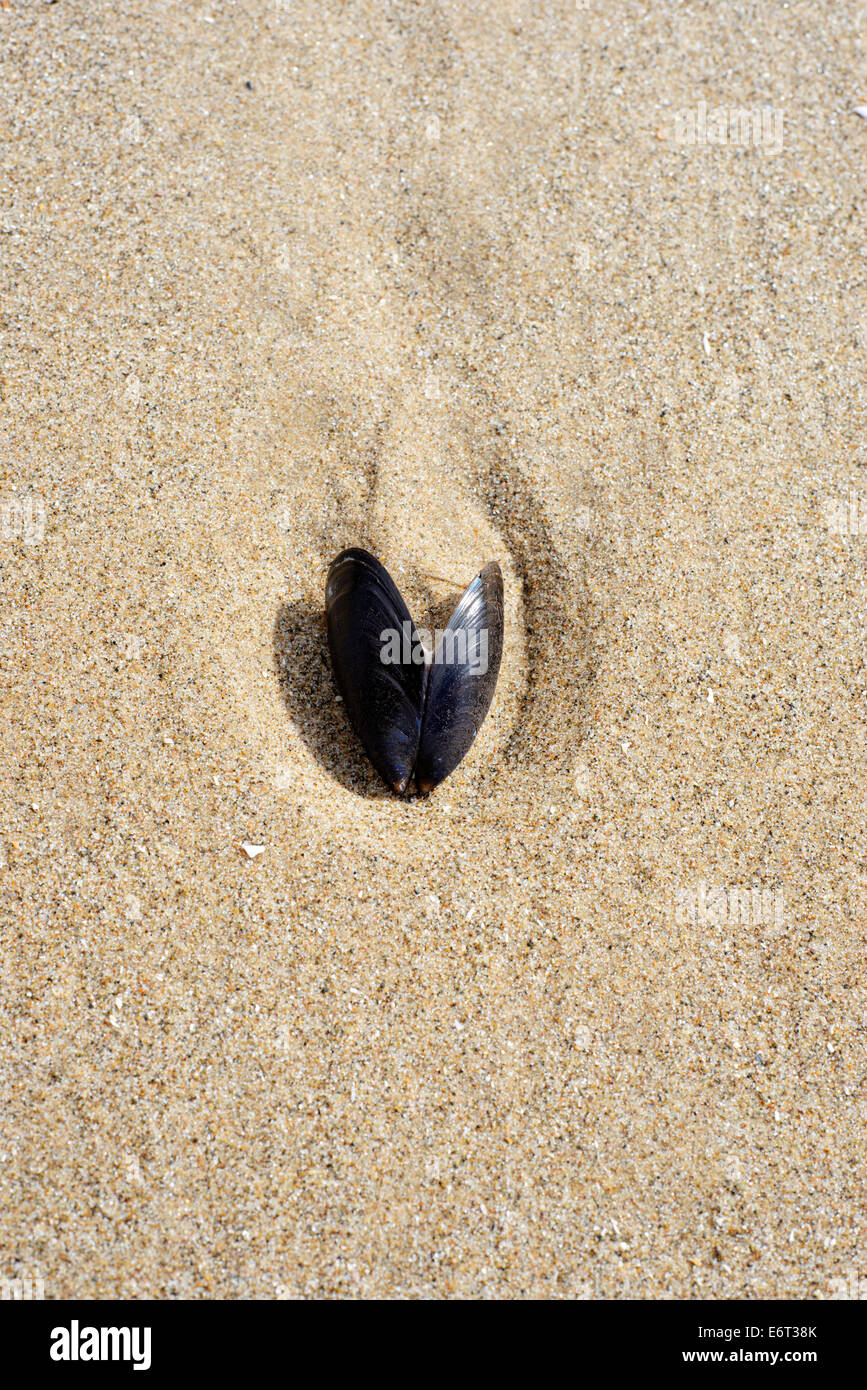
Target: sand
[[445, 281]]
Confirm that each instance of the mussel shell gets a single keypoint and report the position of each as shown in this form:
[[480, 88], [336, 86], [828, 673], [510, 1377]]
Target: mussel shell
[[458, 695], [414, 720], [384, 703]]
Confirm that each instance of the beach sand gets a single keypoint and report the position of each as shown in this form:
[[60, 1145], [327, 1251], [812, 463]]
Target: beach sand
[[445, 281]]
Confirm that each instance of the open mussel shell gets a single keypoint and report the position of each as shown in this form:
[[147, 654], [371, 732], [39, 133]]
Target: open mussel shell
[[416, 718]]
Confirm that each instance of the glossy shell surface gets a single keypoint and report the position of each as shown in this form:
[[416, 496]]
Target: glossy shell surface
[[416, 720], [384, 703], [459, 693]]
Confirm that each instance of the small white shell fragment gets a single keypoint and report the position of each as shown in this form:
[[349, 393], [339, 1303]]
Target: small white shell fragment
[[862, 112], [252, 851]]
